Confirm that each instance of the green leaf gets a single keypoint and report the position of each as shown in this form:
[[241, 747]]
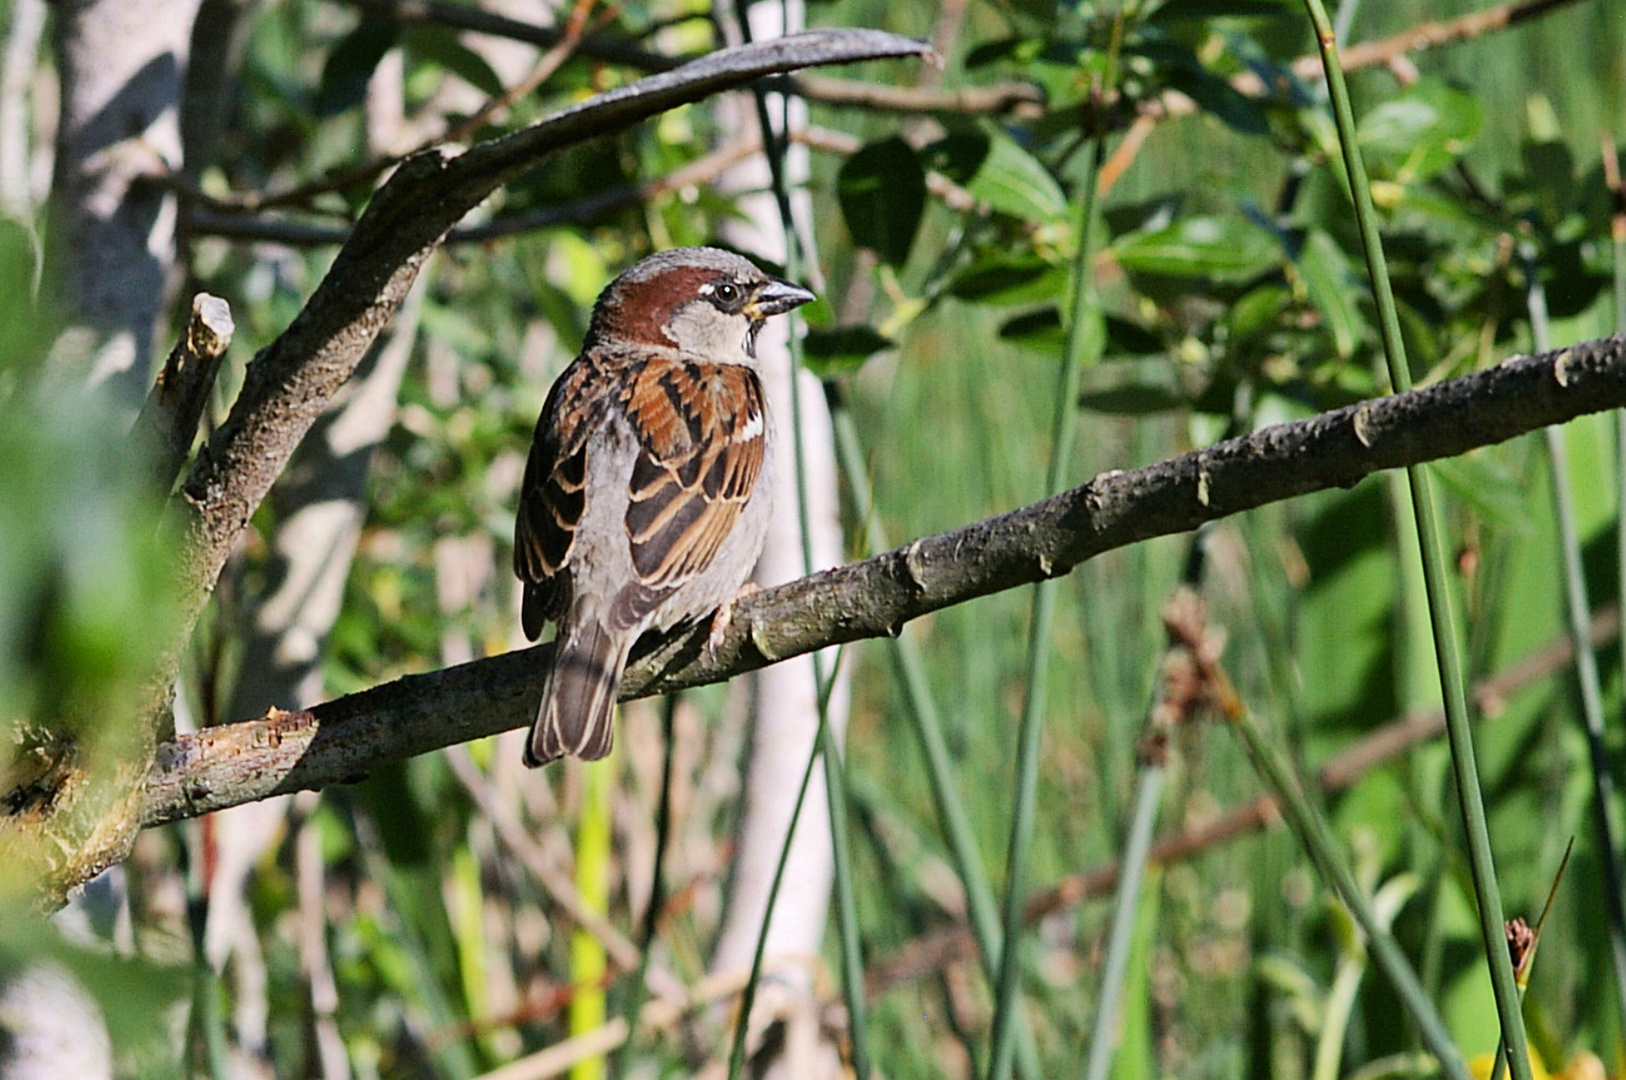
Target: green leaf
[[1011, 48], [1220, 248], [1547, 186], [1333, 287], [1189, 10], [443, 48], [838, 350], [1041, 330], [957, 155], [1133, 399], [882, 189], [350, 65], [1009, 279], [1216, 96], [1423, 131], [1014, 182], [1256, 311], [1126, 338]]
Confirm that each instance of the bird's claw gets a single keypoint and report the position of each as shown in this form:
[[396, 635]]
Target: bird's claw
[[723, 617]]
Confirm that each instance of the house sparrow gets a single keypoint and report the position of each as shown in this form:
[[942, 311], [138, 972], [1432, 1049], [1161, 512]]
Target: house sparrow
[[648, 488]]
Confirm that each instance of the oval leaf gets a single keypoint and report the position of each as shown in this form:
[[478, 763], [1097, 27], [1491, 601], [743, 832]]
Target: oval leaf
[[882, 189], [1132, 399], [350, 65], [1005, 279], [837, 350], [1014, 182], [1219, 248], [1420, 133], [443, 48]]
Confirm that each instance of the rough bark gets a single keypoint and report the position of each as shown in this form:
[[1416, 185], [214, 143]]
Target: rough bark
[[344, 739]]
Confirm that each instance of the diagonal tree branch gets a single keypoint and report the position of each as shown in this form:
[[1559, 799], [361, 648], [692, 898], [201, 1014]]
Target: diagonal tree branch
[[346, 738]]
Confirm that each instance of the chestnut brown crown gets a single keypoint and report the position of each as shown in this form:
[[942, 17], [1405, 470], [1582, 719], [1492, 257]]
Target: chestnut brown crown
[[703, 302]]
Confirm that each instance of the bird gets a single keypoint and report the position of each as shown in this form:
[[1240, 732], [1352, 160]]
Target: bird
[[649, 484]]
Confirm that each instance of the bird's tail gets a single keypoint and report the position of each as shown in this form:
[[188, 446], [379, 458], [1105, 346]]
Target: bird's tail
[[578, 698]]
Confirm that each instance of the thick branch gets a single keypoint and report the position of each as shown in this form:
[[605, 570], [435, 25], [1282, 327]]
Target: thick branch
[[346, 738]]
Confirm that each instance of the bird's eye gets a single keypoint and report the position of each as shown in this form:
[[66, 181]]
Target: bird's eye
[[726, 292]]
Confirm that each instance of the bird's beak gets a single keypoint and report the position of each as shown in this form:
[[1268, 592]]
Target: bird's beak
[[776, 298]]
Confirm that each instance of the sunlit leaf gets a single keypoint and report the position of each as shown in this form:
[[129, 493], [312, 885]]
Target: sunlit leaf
[[1229, 248], [1014, 182], [1421, 132]]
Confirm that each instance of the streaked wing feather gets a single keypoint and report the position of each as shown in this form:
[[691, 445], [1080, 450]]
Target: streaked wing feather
[[553, 495], [702, 430]]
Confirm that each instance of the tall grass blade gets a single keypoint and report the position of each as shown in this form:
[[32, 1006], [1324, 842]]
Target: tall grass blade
[[1318, 841], [1085, 342], [1435, 576], [925, 719], [1586, 660]]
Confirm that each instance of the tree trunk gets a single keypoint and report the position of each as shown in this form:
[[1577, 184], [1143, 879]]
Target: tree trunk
[[122, 64]]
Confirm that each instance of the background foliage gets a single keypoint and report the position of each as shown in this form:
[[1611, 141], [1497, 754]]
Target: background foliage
[[1232, 287]]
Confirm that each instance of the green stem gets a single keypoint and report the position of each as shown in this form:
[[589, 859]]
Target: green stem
[[1317, 839], [924, 717], [1083, 345], [1121, 939], [1435, 575], [1586, 660]]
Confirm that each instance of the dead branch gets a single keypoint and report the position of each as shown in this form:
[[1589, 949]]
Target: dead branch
[[168, 421]]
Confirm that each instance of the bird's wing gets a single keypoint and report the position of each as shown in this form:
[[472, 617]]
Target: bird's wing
[[553, 495], [702, 434]]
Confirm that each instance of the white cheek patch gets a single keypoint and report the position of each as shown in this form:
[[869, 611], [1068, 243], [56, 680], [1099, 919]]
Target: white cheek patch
[[701, 329]]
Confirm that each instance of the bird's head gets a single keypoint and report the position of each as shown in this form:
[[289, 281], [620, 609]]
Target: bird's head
[[702, 301]]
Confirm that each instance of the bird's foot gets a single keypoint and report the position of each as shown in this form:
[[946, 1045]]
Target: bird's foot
[[724, 616]]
